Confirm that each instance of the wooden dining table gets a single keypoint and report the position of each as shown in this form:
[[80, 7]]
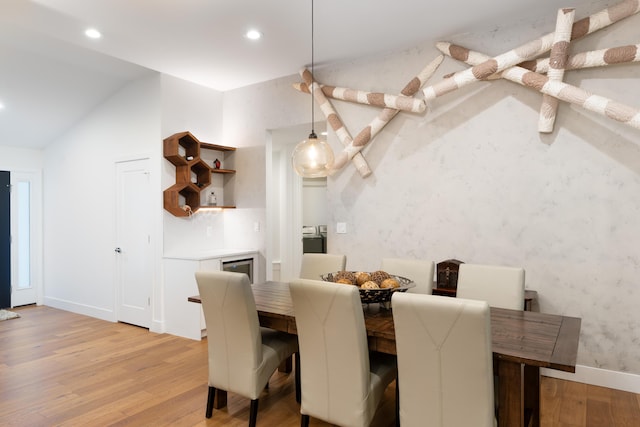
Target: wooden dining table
[[522, 343]]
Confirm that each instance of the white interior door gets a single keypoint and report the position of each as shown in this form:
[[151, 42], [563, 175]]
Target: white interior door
[[133, 249]]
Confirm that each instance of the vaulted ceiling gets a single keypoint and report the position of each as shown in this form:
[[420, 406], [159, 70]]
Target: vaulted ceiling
[[51, 74]]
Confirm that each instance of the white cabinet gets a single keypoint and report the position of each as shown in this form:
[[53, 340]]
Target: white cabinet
[[184, 318]]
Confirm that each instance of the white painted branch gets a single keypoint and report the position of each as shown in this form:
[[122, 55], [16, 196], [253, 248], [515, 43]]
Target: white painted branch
[[594, 58], [398, 102], [558, 60]]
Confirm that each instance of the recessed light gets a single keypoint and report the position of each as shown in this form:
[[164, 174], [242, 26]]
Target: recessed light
[[1, 106], [92, 33], [253, 35]]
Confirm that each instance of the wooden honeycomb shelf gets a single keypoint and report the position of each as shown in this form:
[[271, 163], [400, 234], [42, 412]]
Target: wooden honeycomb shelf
[[193, 174]]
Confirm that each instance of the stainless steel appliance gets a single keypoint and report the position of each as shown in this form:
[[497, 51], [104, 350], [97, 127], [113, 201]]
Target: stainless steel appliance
[[240, 266], [312, 240]]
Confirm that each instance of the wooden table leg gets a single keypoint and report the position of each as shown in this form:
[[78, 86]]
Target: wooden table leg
[[220, 399], [286, 366], [532, 394], [510, 394]]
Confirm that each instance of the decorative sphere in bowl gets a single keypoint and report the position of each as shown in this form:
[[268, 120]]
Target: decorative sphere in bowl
[[370, 290]]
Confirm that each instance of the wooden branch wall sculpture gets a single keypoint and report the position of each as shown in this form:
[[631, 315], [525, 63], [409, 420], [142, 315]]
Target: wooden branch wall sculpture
[[516, 65], [562, 91], [531, 49]]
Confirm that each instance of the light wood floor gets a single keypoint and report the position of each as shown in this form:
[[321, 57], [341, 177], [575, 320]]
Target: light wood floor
[[63, 369]]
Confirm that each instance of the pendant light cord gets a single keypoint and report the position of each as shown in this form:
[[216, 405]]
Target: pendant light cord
[[313, 122]]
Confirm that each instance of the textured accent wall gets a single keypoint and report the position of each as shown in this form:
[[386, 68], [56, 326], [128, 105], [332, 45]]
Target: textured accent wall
[[474, 180]]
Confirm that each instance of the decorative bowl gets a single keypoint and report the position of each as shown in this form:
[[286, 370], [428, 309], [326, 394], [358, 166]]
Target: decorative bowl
[[382, 295]]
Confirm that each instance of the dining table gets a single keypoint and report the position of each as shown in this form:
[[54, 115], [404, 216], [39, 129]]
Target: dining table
[[522, 343]]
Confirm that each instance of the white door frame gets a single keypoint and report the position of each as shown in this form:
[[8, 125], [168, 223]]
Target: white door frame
[[34, 293]]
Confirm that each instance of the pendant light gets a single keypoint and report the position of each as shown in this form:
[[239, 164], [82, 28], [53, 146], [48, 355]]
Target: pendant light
[[313, 157]]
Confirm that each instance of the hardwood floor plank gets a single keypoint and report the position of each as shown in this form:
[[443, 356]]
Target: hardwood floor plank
[[599, 413], [625, 409], [64, 369]]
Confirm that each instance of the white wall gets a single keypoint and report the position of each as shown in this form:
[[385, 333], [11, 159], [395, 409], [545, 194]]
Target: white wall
[[314, 201], [474, 180], [190, 107], [79, 197], [25, 159], [249, 114]]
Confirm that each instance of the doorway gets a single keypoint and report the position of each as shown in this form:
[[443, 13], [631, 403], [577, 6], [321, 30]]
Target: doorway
[[285, 202], [314, 215], [134, 250], [5, 239]]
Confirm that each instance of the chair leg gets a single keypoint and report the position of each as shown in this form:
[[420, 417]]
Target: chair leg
[[210, 397], [304, 421], [253, 417], [297, 378]]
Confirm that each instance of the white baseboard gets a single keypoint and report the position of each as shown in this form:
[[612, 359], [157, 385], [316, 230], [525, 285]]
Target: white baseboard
[[600, 377], [158, 327], [87, 310]]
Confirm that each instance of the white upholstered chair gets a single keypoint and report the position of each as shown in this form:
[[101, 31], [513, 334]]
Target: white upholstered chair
[[420, 271], [242, 355], [314, 265], [445, 368], [500, 286], [342, 383]]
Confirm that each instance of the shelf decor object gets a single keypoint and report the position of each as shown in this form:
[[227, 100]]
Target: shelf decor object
[[193, 175]]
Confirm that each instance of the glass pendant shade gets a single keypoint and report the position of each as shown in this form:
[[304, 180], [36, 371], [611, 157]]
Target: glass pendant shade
[[312, 158]]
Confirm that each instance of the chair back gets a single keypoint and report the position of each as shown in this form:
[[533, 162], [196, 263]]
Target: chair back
[[314, 265], [445, 368], [500, 286], [420, 271], [233, 330], [333, 351]]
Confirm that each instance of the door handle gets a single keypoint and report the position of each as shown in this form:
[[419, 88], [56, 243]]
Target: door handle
[[118, 250]]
